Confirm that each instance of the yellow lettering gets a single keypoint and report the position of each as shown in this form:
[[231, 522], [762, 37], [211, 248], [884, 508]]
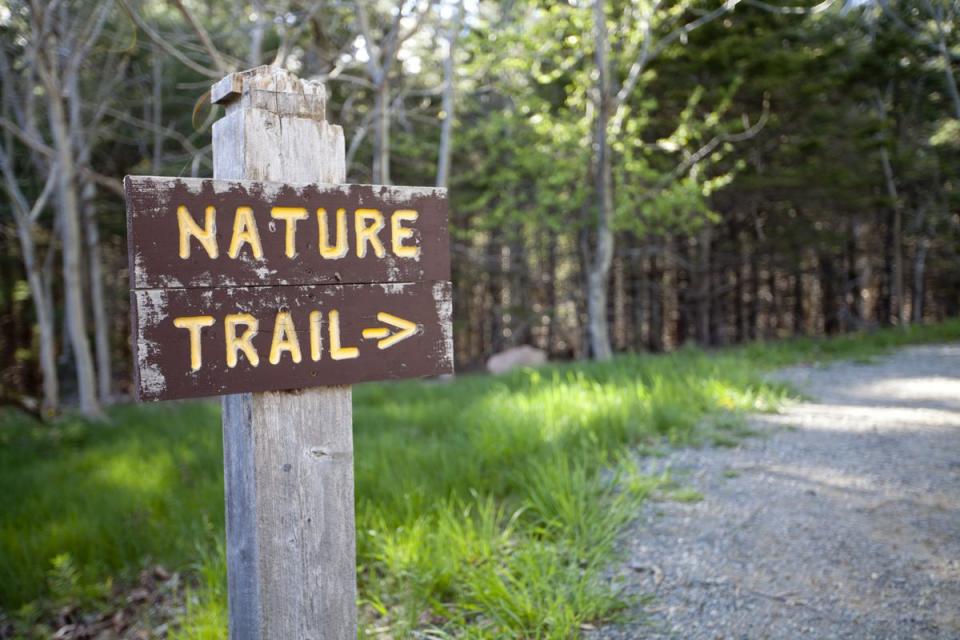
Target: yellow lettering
[[284, 339], [338, 352], [188, 227], [369, 223], [290, 215], [399, 233], [194, 324], [243, 343], [339, 250], [245, 232], [316, 338]]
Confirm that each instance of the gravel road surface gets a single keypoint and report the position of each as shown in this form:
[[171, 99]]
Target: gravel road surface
[[840, 520]]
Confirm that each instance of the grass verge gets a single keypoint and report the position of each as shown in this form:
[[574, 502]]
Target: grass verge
[[486, 507]]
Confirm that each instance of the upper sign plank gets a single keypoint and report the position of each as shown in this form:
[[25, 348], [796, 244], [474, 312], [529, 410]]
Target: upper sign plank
[[195, 233]]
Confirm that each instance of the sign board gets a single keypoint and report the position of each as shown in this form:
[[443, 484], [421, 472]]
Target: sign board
[[240, 286]]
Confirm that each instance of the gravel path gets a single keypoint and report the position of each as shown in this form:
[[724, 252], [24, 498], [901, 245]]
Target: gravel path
[[842, 520]]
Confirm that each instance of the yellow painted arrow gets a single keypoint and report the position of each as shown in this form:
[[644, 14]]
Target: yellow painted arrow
[[406, 329]]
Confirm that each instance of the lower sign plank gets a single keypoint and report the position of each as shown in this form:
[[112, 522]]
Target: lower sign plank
[[203, 342]]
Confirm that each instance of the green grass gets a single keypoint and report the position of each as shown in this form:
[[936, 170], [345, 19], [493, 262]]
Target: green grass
[[486, 507], [684, 494]]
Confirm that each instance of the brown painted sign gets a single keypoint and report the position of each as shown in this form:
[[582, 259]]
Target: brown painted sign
[[241, 286], [189, 232]]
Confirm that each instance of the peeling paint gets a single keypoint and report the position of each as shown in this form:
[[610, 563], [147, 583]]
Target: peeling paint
[[442, 293], [154, 233], [372, 299], [165, 352]]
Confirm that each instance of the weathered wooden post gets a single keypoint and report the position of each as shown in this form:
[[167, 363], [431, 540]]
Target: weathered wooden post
[[265, 283], [288, 455]]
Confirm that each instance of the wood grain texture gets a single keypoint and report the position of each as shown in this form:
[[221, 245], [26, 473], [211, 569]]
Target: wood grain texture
[[168, 372], [291, 546], [153, 233], [288, 455]]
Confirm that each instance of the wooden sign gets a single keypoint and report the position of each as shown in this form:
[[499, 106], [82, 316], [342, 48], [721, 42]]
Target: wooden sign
[[242, 286]]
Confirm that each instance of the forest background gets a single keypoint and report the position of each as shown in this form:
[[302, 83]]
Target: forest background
[[624, 175]]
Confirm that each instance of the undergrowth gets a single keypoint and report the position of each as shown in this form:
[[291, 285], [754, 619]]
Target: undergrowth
[[487, 507]]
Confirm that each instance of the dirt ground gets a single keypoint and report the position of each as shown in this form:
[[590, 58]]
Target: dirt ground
[[841, 519]]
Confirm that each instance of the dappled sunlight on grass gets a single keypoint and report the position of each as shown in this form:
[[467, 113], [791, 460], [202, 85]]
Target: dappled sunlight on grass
[[111, 495], [486, 507]]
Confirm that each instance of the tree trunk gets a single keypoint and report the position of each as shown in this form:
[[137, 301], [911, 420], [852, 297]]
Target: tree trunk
[[919, 271], [885, 284], [638, 300], [853, 278], [619, 297], [72, 252], [681, 265], [12, 311], [257, 32], [156, 109], [381, 151], [703, 287], [862, 269], [598, 276], [773, 308], [655, 301], [828, 295], [551, 290], [101, 320], [43, 308], [753, 315], [798, 316], [518, 303], [740, 294], [900, 309], [447, 104]]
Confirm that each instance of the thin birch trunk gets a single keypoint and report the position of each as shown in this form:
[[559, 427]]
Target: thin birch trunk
[[919, 273], [897, 236], [598, 332], [447, 104], [156, 110], [101, 320], [43, 309], [38, 275], [381, 151], [920, 266], [74, 308], [257, 33]]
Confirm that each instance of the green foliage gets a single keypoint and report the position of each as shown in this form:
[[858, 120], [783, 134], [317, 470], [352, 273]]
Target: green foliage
[[206, 603], [487, 507], [947, 134], [684, 494], [104, 498], [68, 587]]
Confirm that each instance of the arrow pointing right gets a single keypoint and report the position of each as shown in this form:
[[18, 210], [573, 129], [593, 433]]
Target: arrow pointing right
[[405, 330]]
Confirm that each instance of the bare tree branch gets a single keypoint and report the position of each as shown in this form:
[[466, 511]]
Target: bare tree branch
[[165, 45], [293, 34], [373, 50], [215, 55], [112, 184], [421, 15], [708, 148], [795, 10]]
